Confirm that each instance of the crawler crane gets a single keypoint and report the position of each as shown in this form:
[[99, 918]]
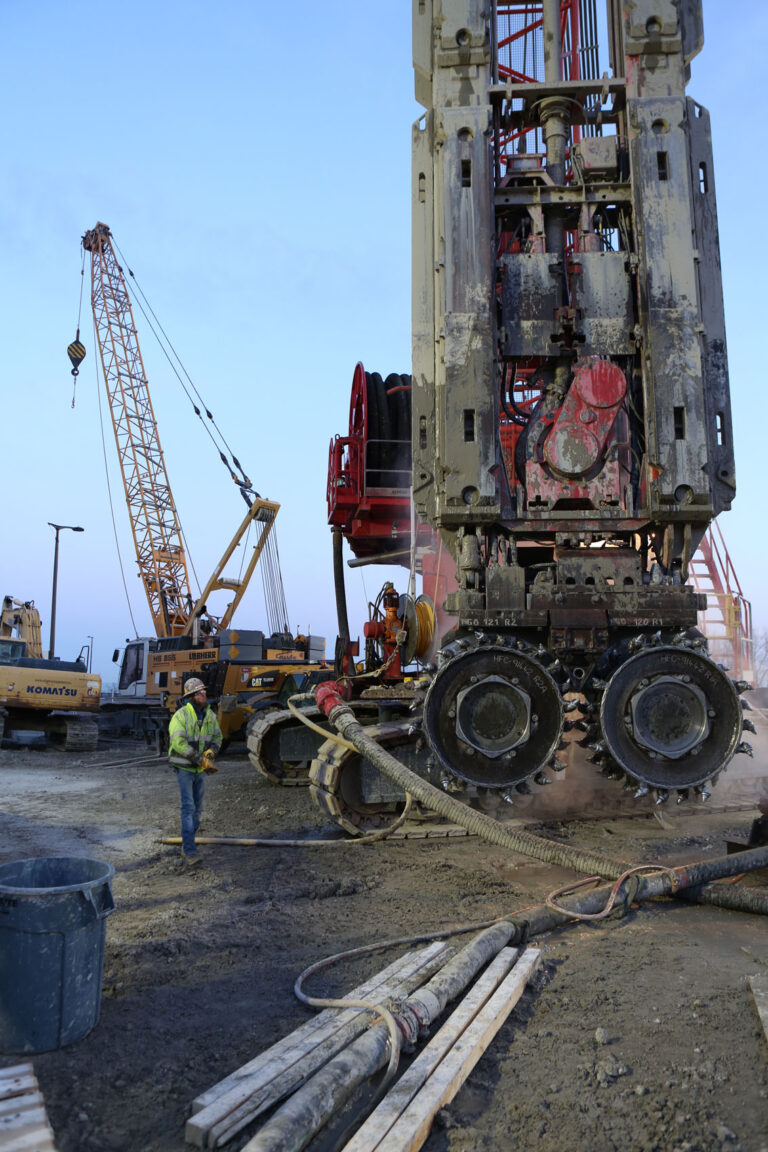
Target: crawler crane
[[245, 671], [570, 418]]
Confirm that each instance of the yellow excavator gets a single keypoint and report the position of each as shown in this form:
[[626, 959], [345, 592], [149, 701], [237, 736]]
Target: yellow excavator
[[57, 697]]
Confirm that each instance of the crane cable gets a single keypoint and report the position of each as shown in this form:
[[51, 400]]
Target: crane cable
[[244, 484], [274, 592], [277, 615], [184, 540], [75, 369], [106, 473]]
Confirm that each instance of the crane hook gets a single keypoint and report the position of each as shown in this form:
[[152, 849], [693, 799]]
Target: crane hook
[[76, 353]]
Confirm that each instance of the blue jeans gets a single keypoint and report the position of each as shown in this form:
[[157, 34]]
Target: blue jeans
[[192, 789]]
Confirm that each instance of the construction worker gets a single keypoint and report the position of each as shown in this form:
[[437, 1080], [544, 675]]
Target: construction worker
[[195, 738]]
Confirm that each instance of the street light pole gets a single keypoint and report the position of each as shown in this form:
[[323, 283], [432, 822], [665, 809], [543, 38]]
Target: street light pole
[[57, 528]]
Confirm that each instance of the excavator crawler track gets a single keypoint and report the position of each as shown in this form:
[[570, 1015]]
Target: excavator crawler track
[[350, 791], [80, 735], [281, 747], [263, 741]]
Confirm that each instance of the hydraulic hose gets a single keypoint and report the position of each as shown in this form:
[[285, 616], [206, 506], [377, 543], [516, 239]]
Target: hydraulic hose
[[340, 590], [477, 823], [339, 584], [322, 1096], [550, 851]]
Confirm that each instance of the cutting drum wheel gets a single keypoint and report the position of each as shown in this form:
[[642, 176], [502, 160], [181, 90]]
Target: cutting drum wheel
[[671, 718], [493, 716]]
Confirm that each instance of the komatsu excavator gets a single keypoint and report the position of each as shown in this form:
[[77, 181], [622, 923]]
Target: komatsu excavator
[[57, 697], [568, 432]]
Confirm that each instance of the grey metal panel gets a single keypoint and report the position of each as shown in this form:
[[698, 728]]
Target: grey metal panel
[[651, 27], [717, 394], [423, 319], [692, 25], [664, 26], [465, 378], [529, 301], [602, 297], [454, 429], [672, 368], [422, 52]]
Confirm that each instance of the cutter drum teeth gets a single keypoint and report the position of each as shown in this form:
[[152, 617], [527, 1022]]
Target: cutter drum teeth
[[670, 718], [493, 714]]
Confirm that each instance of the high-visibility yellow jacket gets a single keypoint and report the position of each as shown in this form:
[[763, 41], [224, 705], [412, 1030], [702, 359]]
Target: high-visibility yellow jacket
[[190, 736]]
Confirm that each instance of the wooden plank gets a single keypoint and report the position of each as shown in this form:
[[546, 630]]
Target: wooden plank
[[412, 1128], [22, 1103], [243, 1104], [24, 1125], [759, 986], [368, 1137], [37, 1139], [22, 1118], [404, 967], [16, 1070], [18, 1085], [282, 1068]]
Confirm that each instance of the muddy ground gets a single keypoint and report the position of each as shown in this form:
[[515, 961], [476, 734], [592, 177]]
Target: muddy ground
[[199, 966]]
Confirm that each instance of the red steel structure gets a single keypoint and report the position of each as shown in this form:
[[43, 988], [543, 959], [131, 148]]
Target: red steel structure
[[569, 401], [727, 619]]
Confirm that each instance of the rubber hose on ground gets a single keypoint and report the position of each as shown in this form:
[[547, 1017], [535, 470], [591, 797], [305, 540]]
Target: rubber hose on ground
[[582, 860], [550, 851]]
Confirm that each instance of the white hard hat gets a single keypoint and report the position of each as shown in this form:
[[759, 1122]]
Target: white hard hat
[[192, 686]]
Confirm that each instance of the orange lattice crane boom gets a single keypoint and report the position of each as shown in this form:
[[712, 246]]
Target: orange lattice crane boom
[[154, 519], [157, 534]]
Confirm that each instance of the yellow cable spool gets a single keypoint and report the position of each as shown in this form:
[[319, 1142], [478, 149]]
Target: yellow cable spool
[[425, 625], [418, 618]]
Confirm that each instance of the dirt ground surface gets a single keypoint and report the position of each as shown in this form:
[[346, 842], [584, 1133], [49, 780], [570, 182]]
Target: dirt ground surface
[[639, 1034]]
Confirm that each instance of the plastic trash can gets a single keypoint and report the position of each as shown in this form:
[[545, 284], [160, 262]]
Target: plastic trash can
[[53, 912]]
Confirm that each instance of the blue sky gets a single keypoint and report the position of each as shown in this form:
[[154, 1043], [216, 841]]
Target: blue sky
[[253, 163]]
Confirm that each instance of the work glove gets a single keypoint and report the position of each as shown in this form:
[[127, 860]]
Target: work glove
[[209, 765], [194, 757]]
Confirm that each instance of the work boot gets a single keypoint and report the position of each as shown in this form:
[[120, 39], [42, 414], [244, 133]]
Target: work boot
[[191, 859]]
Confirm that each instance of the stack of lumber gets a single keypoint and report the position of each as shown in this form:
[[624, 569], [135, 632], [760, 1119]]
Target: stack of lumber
[[223, 1110], [299, 1065], [403, 1119], [24, 1123], [759, 986]]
